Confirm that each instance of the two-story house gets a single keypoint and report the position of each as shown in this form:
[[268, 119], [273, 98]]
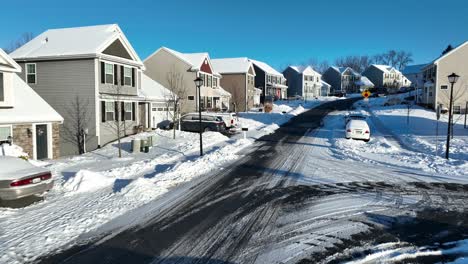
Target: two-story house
[[384, 76], [342, 79], [270, 81], [94, 67], [177, 71], [303, 81], [436, 85], [414, 73], [26, 119], [238, 78]]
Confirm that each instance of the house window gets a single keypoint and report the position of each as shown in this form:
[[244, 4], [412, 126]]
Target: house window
[[110, 106], [208, 102], [202, 102], [127, 76], [2, 89], [5, 132], [209, 81], [109, 70], [215, 82], [430, 93], [457, 109], [191, 97], [128, 110], [443, 87], [31, 74]]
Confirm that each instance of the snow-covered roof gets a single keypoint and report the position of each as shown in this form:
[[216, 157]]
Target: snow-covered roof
[[325, 83], [385, 68], [266, 68], [78, 42], [7, 64], [221, 92], [194, 60], [341, 70], [306, 70], [28, 106], [413, 69], [364, 81], [232, 65], [151, 90]]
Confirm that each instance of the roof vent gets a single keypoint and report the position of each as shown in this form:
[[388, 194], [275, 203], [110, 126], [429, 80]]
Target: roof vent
[[45, 40]]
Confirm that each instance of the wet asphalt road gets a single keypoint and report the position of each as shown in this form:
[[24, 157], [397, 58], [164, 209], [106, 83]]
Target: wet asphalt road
[[232, 218]]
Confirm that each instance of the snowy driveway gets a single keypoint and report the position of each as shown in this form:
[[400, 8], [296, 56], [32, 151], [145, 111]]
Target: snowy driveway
[[300, 194]]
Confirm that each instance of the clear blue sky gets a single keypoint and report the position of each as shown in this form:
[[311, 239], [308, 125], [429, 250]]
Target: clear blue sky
[[278, 32]]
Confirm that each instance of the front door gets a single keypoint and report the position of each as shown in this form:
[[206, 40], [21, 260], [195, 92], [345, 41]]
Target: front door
[[42, 151]]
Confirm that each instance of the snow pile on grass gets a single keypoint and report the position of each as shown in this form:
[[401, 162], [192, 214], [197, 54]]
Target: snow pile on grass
[[13, 151], [87, 181]]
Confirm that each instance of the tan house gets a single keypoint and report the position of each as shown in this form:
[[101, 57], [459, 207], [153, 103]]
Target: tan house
[[26, 119], [384, 76], [176, 70], [238, 78], [436, 85]]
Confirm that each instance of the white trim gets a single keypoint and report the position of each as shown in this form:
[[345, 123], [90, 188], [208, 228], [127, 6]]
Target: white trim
[[9, 60], [97, 101], [450, 52], [124, 41], [26, 73], [113, 73]]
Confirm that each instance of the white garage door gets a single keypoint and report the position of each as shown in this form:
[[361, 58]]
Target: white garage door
[[160, 112]]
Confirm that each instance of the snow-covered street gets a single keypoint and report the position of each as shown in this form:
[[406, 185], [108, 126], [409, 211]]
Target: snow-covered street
[[92, 189]]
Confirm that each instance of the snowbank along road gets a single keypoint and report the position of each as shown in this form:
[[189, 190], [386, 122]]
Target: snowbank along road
[[292, 199]]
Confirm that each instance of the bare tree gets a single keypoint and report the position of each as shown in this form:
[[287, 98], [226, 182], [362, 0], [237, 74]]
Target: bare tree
[[74, 128], [236, 97], [398, 59], [23, 39], [358, 63], [117, 125], [403, 58], [178, 94]]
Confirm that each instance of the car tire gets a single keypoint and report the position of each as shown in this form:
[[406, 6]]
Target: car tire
[[207, 129], [348, 138], [366, 140]]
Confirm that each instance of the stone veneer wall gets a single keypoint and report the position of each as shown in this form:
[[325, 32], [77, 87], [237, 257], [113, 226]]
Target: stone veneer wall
[[22, 139], [56, 140], [25, 141]]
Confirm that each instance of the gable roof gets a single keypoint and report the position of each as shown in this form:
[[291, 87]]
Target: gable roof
[[25, 99], [364, 81], [7, 63], [450, 52], [153, 90], [75, 42], [385, 68], [232, 65], [307, 70], [341, 70], [194, 60], [266, 68], [413, 69]]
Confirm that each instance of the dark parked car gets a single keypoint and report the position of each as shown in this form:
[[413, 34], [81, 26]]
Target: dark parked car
[[210, 122]]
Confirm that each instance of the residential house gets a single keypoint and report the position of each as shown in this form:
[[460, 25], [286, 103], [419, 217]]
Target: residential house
[[364, 84], [384, 76], [325, 88], [303, 81], [270, 81], [414, 73], [176, 70], [238, 78], [342, 79], [436, 84], [26, 119], [93, 67]]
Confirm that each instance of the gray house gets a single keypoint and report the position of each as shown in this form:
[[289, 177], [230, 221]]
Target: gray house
[[94, 67], [384, 76], [303, 81], [342, 79]]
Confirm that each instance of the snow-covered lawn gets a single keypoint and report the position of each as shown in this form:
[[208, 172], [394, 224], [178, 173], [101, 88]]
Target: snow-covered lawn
[[92, 189]]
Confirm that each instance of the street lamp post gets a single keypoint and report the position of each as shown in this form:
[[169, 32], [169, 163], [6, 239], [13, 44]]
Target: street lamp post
[[198, 83], [453, 78]]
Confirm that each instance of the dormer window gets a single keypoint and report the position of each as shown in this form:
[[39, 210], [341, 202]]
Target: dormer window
[[2, 88], [31, 73]]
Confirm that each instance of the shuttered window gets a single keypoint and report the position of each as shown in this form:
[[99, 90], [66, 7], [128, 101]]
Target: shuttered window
[[128, 76], [110, 111], [128, 110], [109, 70]]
